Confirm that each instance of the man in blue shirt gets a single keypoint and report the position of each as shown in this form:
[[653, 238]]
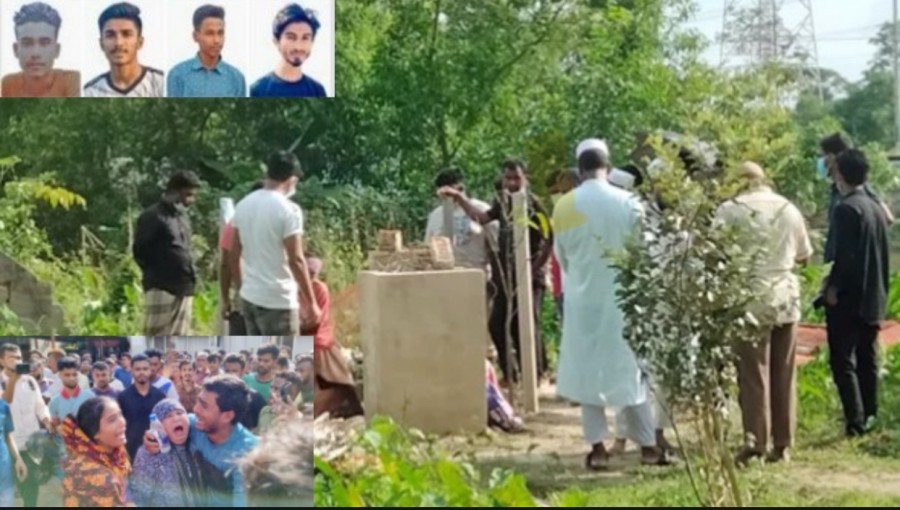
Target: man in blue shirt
[[219, 439], [294, 31], [207, 75]]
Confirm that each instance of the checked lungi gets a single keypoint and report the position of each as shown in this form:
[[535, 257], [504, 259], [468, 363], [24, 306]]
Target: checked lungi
[[166, 314]]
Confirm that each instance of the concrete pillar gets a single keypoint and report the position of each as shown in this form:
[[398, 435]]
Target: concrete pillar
[[424, 337]]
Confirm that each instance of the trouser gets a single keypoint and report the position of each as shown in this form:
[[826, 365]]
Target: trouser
[[767, 388], [660, 412], [852, 353], [637, 421], [270, 322], [237, 325], [28, 488], [497, 327]]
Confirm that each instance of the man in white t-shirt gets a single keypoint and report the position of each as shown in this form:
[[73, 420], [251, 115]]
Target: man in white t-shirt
[[276, 290], [469, 236]]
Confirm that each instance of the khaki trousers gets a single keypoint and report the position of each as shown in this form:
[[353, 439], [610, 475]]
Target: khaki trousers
[[768, 388]]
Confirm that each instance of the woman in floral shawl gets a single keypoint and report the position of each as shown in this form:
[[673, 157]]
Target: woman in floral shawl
[[97, 470]]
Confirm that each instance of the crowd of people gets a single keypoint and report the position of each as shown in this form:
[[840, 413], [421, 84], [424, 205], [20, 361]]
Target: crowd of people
[[96, 425], [596, 207]]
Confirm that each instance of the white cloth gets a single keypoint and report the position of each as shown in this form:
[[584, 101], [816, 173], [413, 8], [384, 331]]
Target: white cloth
[[83, 382], [638, 421], [149, 84], [263, 220], [469, 241], [596, 364], [591, 143], [166, 385], [28, 410], [784, 228], [117, 385], [55, 385]]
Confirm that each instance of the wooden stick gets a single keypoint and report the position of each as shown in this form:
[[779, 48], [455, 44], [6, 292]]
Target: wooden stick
[[524, 304]]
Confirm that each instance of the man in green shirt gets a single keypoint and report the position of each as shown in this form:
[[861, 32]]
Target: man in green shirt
[[265, 371]]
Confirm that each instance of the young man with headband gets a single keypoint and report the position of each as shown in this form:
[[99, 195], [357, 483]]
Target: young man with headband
[[294, 32]]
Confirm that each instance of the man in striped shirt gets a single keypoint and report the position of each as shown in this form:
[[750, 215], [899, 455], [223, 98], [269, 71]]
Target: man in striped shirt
[[121, 37]]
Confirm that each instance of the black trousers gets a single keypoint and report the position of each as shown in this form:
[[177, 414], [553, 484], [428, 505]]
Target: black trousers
[[28, 488], [853, 347], [497, 328]]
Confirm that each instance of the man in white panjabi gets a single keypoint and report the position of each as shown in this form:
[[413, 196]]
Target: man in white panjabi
[[597, 368]]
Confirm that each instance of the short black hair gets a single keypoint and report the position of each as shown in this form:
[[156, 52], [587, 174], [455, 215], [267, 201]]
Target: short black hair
[[834, 144], [293, 13], [38, 12], [213, 358], [153, 353], [635, 172], [182, 180], [282, 165], [234, 358], [283, 362], [66, 363], [138, 358], [514, 164], [100, 365], [232, 394], [448, 177], [269, 349], [853, 166], [184, 362], [122, 10], [207, 11], [124, 355], [592, 160]]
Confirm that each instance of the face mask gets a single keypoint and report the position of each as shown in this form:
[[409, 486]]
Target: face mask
[[821, 168]]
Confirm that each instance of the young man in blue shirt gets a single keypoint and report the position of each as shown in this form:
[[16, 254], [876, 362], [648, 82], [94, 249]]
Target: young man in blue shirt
[[294, 31], [206, 74], [219, 439]]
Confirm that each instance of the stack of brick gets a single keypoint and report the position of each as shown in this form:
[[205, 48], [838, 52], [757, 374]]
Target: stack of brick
[[392, 257]]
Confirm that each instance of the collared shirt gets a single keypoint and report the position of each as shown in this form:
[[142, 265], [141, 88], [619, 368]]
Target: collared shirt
[[192, 79], [785, 229], [67, 402]]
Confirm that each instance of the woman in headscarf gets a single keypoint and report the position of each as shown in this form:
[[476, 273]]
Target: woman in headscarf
[[97, 470], [170, 479], [334, 390]]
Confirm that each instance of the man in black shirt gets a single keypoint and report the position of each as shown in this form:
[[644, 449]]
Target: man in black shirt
[[856, 293], [137, 403], [540, 242], [234, 365], [162, 249]]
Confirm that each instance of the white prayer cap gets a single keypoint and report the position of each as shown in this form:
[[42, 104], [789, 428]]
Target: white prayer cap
[[621, 179], [591, 143]]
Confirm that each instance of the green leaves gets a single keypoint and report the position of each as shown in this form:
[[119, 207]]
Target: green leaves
[[403, 470]]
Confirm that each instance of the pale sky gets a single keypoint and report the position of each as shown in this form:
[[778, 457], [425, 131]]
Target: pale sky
[[843, 28]]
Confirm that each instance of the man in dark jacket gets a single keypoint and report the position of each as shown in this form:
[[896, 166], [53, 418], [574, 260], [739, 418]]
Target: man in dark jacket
[[857, 289], [162, 249]]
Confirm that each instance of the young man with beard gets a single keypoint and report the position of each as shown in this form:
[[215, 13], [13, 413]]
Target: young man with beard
[[162, 249], [218, 440], [294, 31], [265, 371], [160, 382], [137, 403], [206, 74], [234, 365], [36, 47], [102, 385], [121, 37], [71, 396]]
